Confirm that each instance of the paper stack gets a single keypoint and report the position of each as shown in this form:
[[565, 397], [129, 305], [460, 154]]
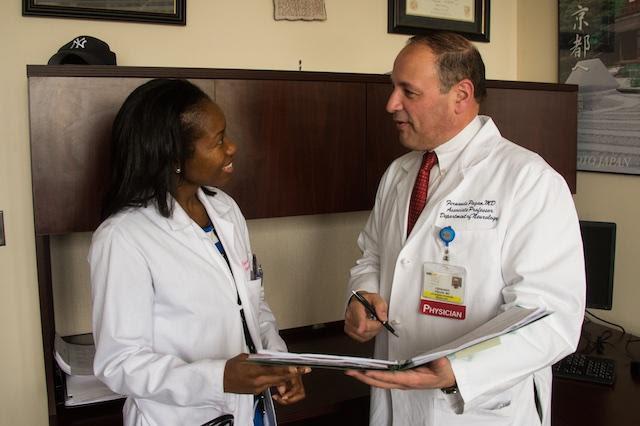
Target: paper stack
[[74, 355], [482, 338]]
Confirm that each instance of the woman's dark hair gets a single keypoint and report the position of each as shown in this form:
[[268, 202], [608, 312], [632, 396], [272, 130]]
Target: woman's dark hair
[[152, 136]]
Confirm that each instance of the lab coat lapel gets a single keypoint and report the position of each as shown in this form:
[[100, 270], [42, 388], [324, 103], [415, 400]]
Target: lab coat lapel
[[477, 150], [404, 189], [181, 229], [221, 215]]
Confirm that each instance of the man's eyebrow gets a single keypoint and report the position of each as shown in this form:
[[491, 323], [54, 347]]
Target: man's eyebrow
[[404, 85]]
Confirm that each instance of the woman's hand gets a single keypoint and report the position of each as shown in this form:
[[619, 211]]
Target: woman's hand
[[246, 377], [291, 391]]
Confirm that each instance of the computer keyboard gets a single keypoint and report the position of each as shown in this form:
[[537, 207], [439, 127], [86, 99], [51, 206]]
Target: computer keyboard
[[586, 368]]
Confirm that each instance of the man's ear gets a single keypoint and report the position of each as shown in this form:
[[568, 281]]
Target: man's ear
[[464, 96]]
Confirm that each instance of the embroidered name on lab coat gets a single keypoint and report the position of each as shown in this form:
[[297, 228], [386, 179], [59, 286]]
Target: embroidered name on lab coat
[[479, 210]]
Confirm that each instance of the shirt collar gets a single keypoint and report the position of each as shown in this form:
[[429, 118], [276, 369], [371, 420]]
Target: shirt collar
[[180, 219], [449, 151]]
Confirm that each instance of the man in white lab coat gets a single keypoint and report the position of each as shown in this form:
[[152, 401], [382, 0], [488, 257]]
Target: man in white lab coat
[[499, 229]]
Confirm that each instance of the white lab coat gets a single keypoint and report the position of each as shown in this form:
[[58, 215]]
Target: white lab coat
[[529, 254], [165, 312]]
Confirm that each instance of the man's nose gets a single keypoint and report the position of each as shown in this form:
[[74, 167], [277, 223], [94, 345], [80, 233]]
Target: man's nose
[[393, 103]]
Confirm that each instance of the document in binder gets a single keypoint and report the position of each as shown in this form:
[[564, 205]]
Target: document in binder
[[483, 337]]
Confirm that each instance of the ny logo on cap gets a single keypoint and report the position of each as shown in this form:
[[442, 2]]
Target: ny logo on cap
[[78, 43]]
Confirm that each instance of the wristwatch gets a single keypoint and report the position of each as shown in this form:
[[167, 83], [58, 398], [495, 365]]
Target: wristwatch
[[451, 390]]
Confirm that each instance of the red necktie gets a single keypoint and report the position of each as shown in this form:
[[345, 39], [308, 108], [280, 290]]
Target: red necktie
[[420, 189]]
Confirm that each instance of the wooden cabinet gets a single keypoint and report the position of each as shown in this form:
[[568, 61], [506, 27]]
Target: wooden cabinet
[[308, 143], [301, 145], [540, 117]]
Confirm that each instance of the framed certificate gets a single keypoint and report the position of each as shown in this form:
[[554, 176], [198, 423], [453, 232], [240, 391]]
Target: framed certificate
[[467, 17], [156, 11]]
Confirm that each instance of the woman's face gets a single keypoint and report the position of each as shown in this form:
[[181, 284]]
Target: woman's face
[[211, 163]]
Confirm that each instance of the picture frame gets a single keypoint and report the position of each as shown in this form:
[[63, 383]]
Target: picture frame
[[597, 50], [469, 18], [171, 12]]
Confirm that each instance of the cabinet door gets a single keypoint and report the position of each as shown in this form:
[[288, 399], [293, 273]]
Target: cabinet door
[[70, 123], [543, 121], [383, 145], [300, 145]]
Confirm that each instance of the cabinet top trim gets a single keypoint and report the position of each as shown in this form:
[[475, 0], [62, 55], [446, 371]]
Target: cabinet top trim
[[245, 74]]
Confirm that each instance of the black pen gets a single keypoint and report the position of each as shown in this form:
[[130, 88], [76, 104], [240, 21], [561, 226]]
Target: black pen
[[256, 269], [372, 312]]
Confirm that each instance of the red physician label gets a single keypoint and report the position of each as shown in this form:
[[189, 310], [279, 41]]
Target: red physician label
[[445, 310]]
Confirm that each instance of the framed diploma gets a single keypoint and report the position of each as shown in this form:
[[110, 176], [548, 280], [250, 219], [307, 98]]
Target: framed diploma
[[467, 17], [156, 11]]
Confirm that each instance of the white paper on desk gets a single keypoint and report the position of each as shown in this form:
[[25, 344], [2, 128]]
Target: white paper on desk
[[510, 320], [74, 354], [83, 390]]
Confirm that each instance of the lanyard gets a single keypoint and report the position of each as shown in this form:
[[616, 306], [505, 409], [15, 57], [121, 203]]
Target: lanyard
[[247, 336]]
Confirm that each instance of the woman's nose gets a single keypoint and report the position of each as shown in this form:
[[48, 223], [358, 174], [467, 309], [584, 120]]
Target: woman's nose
[[231, 147]]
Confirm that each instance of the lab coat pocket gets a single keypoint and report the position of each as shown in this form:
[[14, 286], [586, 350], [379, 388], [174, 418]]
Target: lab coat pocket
[[470, 242], [494, 412], [255, 292]]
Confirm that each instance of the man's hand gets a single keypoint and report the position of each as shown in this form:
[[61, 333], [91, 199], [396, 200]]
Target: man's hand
[[435, 375], [245, 377], [358, 324]]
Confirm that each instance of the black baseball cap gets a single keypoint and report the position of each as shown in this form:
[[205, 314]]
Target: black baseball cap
[[84, 50]]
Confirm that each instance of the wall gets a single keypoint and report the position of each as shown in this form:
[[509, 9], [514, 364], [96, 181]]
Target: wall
[[218, 35]]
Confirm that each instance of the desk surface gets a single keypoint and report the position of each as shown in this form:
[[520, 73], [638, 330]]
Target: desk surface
[[580, 403], [330, 393], [333, 398]]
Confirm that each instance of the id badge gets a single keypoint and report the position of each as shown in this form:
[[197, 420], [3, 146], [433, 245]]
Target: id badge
[[443, 291]]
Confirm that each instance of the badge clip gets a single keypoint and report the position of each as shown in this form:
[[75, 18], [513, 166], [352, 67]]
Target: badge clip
[[447, 235]]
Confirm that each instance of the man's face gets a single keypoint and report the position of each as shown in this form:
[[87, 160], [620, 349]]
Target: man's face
[[424, 117]]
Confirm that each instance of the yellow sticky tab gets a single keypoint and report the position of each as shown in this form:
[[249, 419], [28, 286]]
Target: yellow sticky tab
[[464, 353]]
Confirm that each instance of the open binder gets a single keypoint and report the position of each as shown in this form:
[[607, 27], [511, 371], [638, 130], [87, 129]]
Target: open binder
[[483, 337]]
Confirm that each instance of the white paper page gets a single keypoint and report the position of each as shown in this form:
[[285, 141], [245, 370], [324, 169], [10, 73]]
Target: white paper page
[[321, 360], [512, 319], [87, 390], [74, 354], [62, 363]]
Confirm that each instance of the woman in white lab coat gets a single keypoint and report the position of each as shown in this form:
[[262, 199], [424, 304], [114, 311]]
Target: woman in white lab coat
[[177, 300]]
